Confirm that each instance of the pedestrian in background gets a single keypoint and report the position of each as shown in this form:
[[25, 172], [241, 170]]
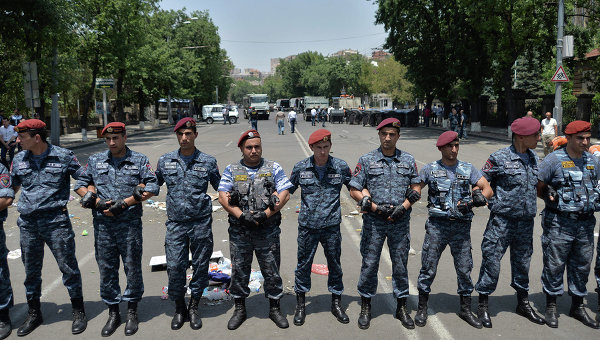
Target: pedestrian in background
[[313, 115], [512, 173], [567, 184], [42, 171], [253, 191], [323, 116], [280, 121], [253, 114], [464, 119], [549, 130], [454, 120], [385, 184], [8, 141], [7, 194], [292, 119], [320, 178], [113, 185], [454, 188], [187, 173], [426, 115], [226, 115]]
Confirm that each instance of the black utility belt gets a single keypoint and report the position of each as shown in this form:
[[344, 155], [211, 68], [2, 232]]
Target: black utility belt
[[573, 215]]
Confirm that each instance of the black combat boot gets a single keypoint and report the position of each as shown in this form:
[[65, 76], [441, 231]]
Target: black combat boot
[[578, 312], [5, 325], [180, 314], [79, 318], [364, 319], [598, 314], [276, 315], [34, 318], [131, 325], [239, 314], [482, 311], [524, 308], [421, 316], [550, 314], [300, 313], [336, 309], [465, 312], [402, 314], [194, 314], [113, 322]]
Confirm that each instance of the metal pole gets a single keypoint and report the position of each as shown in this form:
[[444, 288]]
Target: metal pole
[[169, 110], [217, 92], [104, 106], [557, 111], [54, 116]]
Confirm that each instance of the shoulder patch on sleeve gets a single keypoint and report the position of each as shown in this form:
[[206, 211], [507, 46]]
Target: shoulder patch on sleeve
[[487, 166], [357, 169], [5, 180]]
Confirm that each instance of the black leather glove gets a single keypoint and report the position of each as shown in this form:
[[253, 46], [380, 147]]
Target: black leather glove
[[478, 199], [465, 206], [365, 203], [234, 198], [138, 192], [412, 195], [273, 200], [118, 207], [260, 217], [247, 220], [398, 212], [103, 205], [550, 193], [385, 210], [89, 200]]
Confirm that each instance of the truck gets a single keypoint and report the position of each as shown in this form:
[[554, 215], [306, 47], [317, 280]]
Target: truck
[[346, 102], [258, 102], [311, 102], [283, 104]]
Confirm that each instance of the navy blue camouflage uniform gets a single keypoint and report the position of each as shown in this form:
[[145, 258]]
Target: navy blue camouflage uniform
[[568, 225], [263, 240], [319, 219], [446, 225], [119, 237], [6, 293], [512, 210], [189, 218], [387, 179], [44, 217]]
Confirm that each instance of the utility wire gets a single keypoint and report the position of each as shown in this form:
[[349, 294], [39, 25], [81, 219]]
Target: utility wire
[[301, 41]]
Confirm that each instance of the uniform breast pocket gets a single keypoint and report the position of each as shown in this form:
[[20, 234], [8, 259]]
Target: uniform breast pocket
[[199, 178], [103, 177], [26, 176], [171, 177], [52, 175], [335, 180], [309, 184], [130, 177]]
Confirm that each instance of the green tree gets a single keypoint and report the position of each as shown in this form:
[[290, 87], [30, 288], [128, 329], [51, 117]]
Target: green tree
[[389, 76]]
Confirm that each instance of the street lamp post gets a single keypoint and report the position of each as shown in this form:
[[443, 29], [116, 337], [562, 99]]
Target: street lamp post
[[557, 111]]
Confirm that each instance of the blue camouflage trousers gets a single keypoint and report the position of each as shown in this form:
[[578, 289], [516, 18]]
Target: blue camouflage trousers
[[262, 242], [597, 268], [308, 241], [181, 239], [6, 293], [566, 243], [441, 232], [54, 229], [374, 233], [116, 240], [500, 233]]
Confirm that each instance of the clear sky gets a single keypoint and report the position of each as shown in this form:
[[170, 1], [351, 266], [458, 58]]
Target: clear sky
[[254, 31]]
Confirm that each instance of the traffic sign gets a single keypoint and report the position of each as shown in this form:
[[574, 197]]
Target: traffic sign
[[560, 75], [105, 83]]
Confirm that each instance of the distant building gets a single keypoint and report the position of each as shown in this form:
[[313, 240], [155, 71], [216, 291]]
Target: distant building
[[380, 55], [344, 53], [276, 61]]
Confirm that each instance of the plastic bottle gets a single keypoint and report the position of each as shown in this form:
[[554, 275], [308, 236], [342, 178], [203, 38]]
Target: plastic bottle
[[256, 275], [254, 286]]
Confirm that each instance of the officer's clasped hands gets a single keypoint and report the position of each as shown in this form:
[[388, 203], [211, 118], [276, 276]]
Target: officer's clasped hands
[[478, 199], [385, 210], [412, 195], [465, 207], [398, 212], [247, 219], [365, 204], [118, 207], [103, 204], [88, 200]]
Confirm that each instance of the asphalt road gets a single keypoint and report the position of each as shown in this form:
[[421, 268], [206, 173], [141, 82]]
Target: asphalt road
[[349, 142]]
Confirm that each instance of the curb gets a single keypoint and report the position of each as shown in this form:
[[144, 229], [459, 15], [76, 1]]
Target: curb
[[80, 145], [480, 135]]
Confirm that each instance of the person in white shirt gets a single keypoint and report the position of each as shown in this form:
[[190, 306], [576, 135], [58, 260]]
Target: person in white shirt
[[292, 119], [8, 141], [313, 115], [549, 130]]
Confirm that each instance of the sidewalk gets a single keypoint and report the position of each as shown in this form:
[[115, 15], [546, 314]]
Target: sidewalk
[[487, 132], [74, 140]]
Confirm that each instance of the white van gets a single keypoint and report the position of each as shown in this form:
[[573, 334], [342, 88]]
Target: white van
[[212, 113]]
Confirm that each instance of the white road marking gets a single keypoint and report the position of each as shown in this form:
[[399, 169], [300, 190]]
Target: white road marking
[[432, 321], [345, 131], [158, 145], [228, 144]]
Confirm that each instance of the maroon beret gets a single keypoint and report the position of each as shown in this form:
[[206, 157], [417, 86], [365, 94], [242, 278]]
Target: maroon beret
[[114, 127], [525, 126], [250, 134], [30, 124], [574, 127], [389, 122], [446, 138], [319, 135], [186, 122]]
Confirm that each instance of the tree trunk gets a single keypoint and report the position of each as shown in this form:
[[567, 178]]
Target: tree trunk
[[90, 93], [120, 112]]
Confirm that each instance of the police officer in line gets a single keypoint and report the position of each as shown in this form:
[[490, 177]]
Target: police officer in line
[[512, 173], [450, 202], [568, 179], [321, 178], [42, 171], [188, 172], [7, 194], [385, 183], [113, 185], [253, 191]]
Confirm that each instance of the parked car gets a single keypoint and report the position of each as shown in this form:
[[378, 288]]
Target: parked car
[[212, 113]]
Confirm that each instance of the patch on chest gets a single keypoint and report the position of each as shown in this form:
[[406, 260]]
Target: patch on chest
[[131, 167], [306, 174], [199, 168], [438, 173], [101, 166], [464, 177], [268, 174], [171, 166], [53, 165], [511, 165], [334, 175], [241, 178], [568, 164]]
